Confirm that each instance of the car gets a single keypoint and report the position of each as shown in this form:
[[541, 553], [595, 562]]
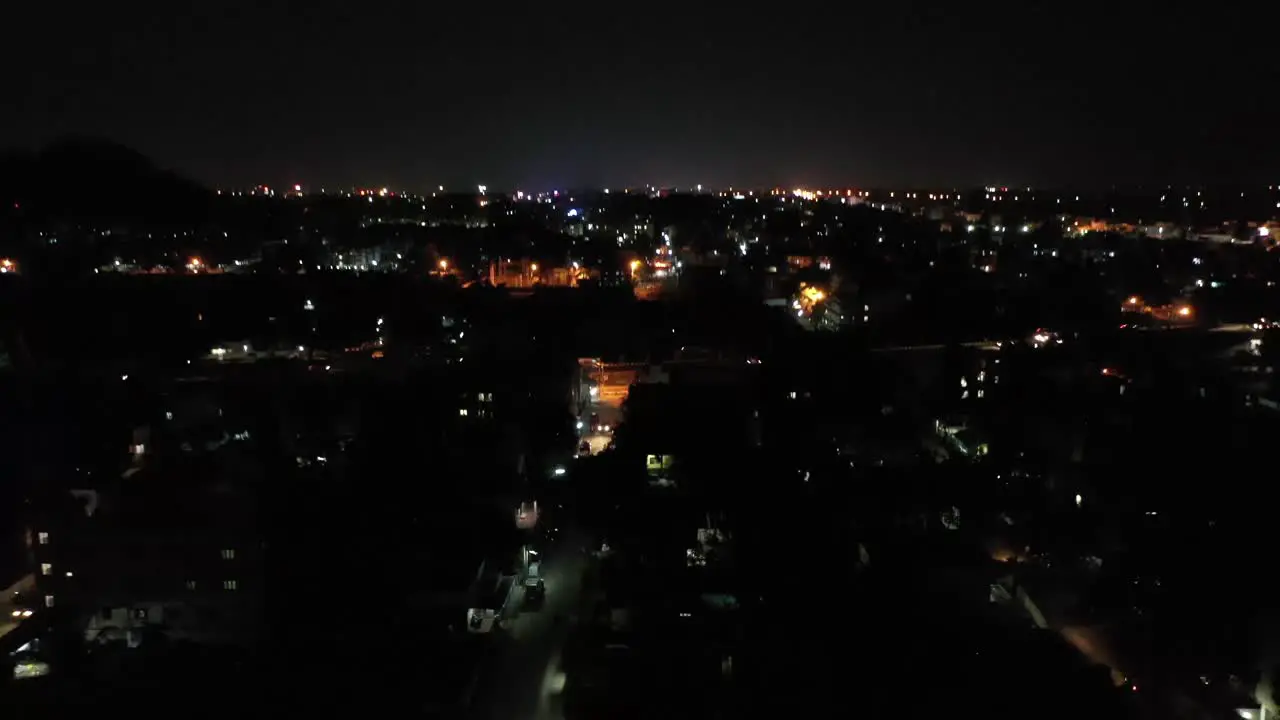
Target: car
[[22, 606], [595, 422], [584, 448], [535, 590]]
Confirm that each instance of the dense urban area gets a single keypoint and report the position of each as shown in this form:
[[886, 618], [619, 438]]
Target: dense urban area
[[639, 452]]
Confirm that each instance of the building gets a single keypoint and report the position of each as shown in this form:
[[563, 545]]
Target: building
[[176, 552], [526, 273]]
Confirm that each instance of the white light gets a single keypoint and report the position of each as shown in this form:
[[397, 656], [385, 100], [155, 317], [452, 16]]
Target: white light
[[595, 391], [579, 424], [1079, 500], [124, 377], [558, 471], [300, 348], [1264, 231]]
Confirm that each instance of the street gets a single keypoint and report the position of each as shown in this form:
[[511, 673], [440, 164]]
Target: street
[[613, 382], [522, 676]]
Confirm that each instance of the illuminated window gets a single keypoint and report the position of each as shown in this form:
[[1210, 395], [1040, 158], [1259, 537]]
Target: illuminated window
[[48, 601], [462, 412], [228, 584], [228, 554], [191, 584], [43, 538], [46, 569]]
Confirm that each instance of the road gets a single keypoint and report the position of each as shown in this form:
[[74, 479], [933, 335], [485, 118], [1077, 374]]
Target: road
[[613, 383], [521, 678]]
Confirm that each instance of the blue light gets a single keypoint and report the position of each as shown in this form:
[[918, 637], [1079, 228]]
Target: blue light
[[573, 213]]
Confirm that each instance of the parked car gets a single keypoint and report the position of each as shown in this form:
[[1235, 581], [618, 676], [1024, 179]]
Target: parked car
[[535, 590]]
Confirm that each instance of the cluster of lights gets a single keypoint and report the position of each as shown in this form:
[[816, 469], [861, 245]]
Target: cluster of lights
[[809, 298], [1135, 304]]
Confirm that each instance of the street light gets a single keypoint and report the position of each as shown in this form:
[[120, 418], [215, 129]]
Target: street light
[[444, 264]]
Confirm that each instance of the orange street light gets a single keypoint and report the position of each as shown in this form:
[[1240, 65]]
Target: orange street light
[[1184, 311], [444, 264]]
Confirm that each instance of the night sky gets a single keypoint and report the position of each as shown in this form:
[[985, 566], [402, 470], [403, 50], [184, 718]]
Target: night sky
[[556, 94]]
